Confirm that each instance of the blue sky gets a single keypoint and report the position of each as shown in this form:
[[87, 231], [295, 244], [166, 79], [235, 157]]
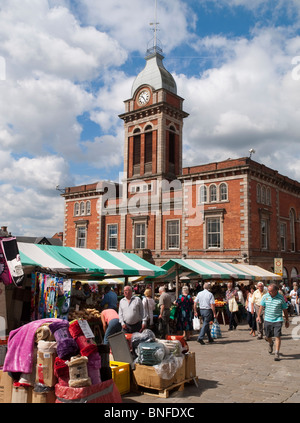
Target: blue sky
[[70, 64]]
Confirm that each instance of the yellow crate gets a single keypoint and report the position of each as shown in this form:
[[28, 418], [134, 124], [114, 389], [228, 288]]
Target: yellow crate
[[121, 375]]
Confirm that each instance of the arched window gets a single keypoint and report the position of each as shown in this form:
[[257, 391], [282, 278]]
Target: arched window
[[212, 193], [203, 194], [82, 208], [148, 148], [136, 151], [88, 207], [258, 193], [223, 192], [263, 194], [268, 198], [172, 136], [76, 209], [292, 229]]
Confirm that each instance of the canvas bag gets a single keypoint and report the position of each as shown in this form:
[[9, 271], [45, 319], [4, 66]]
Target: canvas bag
[[233, 305]]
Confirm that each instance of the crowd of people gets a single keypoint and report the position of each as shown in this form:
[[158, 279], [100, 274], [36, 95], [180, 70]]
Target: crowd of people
[[263, 308]]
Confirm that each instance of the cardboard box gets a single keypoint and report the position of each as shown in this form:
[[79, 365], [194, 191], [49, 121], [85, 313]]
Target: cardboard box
[[180, 374], [190, 365], [6, 384], [147, 376], [45, 368], [43, 397], [21, 394]]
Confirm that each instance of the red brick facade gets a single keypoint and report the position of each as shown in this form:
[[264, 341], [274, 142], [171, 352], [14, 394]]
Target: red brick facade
[[236, 209]]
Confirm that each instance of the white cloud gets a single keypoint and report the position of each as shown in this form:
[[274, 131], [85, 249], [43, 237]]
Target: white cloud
[[250, 101]]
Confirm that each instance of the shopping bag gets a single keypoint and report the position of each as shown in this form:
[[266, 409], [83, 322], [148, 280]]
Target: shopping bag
[[216, 330], [196, 323], [233, 305]]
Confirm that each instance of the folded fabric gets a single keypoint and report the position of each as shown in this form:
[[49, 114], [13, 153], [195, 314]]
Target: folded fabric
[[20, 347]]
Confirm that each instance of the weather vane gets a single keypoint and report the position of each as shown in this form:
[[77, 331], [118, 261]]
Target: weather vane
[[155, 30]]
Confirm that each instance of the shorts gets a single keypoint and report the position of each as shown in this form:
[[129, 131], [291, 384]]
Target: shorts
[[273, 329]]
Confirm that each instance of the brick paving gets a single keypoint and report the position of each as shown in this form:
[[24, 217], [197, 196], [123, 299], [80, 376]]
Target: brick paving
[[237, 368]]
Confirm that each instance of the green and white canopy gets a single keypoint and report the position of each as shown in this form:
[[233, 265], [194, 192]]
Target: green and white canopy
[[207, 269], [82, 261]]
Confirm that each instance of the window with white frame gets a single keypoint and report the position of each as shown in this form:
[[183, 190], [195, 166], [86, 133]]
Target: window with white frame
[[283, 236], [140, 235], [203, 194], [76, 209], [88, 207], [212, 193], [112, 237], [264, 231], [213, 232], [173, 234], [223, 192], [81, 236], [292, 230], [82, 208]]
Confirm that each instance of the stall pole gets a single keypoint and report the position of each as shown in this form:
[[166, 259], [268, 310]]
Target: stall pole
[[177, 280]]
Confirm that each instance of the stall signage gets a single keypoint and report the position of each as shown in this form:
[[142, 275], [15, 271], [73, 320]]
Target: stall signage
[[278, 266], [86, 329]]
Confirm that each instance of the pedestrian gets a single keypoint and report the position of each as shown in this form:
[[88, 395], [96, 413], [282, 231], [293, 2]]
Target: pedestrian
[[131, 312], [274, 305], [110, 299], [165, 303], [149, 306], [256, 299], [77, 296], [251, 318], [207, 309], [184, 313], [110, 323], [294, 301], [231, 297]]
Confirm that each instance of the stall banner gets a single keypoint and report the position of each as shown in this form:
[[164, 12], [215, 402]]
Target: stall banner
[[11, 270], [50, 296]]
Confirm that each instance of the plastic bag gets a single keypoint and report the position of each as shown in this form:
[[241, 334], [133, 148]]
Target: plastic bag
[[137, 337], [151, 353], [173, 347], [196, 323], [216, 330], [168, 367]]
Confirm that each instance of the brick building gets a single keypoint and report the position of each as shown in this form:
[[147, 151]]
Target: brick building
[[231, 210]]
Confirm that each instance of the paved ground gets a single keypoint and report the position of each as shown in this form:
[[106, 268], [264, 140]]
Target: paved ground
[[237, 368]]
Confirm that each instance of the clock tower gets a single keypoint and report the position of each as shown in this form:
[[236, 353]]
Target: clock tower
[[153, 122]]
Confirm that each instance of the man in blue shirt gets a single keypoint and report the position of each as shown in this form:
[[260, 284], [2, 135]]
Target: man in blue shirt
[[274, 305], [110, 299]]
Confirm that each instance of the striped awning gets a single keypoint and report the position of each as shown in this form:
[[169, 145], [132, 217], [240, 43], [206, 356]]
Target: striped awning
[[69, 260], [207, 269]]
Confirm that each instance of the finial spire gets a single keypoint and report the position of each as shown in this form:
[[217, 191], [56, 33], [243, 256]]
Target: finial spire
[[155, 24]]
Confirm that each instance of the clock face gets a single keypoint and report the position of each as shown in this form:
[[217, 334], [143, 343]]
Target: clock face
[[144, 97]]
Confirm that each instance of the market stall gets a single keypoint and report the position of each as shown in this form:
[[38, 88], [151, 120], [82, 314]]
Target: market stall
[[70, 370], [212, 270]]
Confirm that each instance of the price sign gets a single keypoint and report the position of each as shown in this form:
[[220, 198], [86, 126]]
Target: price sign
[[86, 329]]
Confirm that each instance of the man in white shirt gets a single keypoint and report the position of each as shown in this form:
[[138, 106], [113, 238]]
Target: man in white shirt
[[207, 308]]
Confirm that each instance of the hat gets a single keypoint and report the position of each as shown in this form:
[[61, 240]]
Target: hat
[[148, 292]]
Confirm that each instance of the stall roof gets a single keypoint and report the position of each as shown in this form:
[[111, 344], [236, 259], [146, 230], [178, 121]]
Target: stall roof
[[83, 261], [207, 269]]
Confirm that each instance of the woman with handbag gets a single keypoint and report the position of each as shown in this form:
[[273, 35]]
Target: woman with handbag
[[231, 298]]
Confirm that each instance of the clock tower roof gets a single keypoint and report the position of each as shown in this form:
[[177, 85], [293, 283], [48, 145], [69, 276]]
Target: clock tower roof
[[154, 73]]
